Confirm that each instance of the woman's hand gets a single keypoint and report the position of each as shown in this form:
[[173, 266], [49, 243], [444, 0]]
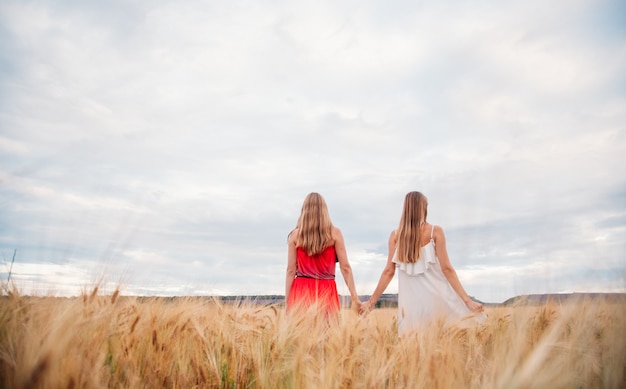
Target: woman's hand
[[474, 306]]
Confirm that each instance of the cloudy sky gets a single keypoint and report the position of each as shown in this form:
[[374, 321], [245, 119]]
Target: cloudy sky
[[166, 146]]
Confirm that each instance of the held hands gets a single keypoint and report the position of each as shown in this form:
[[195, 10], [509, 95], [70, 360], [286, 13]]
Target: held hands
[[358, 306], [365, 307]]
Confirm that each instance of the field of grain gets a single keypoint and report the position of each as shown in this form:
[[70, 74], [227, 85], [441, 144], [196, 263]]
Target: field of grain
[[111, 341]]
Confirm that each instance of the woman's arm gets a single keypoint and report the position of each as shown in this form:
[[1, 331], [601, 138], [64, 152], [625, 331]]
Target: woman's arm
[[344, 265], [291, 264], [449, 272], [388, 272]]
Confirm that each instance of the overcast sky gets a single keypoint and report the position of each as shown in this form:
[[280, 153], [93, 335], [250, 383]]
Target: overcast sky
[[166, 146]]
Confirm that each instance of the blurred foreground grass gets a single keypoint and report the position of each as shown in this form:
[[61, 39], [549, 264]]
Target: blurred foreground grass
[[98, 341]]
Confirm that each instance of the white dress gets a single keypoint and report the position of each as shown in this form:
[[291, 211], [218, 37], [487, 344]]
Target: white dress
[[424, 293]]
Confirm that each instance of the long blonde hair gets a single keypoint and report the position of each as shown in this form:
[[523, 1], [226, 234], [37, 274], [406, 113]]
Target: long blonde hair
[[408, 232], [314, 228]]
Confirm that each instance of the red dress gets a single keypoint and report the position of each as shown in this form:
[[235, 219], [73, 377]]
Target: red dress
[[315, 281]]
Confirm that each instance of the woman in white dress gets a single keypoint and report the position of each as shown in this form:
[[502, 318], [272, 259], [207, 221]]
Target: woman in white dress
[[428, 286]]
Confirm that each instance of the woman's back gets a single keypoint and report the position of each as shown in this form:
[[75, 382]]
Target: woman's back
[[424, 293], [428, 286], [320, 266]]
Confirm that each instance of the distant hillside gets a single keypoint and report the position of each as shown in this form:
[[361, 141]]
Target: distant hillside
[[391, 300], [538, 299]]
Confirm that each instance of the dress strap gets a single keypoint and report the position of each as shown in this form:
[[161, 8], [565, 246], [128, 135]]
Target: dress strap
[[431, 232]]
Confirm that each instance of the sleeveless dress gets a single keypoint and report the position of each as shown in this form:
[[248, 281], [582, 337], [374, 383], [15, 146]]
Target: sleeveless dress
[[315, 281], [424, 293]]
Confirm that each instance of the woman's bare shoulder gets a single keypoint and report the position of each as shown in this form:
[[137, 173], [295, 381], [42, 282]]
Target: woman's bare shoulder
[[438, 232], [436, 228], [293, 235]]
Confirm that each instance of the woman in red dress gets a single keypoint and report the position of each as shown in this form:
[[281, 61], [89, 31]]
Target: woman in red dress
[[315, 245]]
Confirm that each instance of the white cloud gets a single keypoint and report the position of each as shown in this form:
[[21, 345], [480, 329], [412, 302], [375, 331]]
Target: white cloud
[[172, 143]]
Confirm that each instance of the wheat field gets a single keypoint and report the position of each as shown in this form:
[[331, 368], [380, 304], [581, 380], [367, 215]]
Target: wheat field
[[111, 341]]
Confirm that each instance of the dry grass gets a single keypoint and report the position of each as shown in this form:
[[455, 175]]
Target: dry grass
[[123, 342]]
